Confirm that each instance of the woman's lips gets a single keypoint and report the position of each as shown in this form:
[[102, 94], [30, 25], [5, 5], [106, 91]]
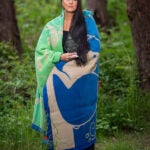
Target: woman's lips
[[70, 6]]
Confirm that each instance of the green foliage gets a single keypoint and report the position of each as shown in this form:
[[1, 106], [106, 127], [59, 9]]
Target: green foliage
[[121, 141], [118, 75], [120, 98], [17, 90], [17, 76], [117, 12], [32, 17], [15, 130]]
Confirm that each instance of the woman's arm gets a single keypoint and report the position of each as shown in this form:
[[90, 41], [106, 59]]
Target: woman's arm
[[45, 56], [44, 49]]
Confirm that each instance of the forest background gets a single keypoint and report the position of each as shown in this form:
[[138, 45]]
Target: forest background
[[123, 121]]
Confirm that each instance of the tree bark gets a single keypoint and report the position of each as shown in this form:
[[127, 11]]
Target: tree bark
[[9, 31], [139, 15], [99, 8]]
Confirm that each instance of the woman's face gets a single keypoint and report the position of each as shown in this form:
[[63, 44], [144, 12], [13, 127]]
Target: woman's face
[[70, 5]]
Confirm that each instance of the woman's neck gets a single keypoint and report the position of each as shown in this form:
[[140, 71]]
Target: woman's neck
[[68, 16], [67, 20]]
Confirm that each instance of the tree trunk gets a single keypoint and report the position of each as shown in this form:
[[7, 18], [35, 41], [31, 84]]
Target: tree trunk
[[99, 7], [139, 16], [9, 31]]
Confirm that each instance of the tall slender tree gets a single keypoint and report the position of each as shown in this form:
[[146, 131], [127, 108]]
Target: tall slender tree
[[139, 16], [9, 31], [99, 7]]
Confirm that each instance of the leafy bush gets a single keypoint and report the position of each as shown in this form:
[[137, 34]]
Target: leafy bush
[[17, 75], [119, 96], [17, 87]]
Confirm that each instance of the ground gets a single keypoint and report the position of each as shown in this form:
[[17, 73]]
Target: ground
[[125, 141]]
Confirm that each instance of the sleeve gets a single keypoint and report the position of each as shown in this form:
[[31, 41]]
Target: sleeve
[[45, 57], [43, 47], [93, 34], [93, 30]]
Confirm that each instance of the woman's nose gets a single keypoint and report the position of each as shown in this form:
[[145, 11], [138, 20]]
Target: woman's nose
[[71, 1]]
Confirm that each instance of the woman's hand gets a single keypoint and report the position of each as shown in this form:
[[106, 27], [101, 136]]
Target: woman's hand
[[68, 56]]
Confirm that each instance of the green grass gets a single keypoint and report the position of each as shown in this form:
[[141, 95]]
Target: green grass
[[15, 129], [124, 141]]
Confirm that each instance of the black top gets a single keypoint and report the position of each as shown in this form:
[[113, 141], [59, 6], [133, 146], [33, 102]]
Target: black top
[[69, 45]]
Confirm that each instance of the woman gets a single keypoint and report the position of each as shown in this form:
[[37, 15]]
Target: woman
[[66, 59]]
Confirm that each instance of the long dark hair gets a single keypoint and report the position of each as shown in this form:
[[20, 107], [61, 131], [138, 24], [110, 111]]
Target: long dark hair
[[78, 32]]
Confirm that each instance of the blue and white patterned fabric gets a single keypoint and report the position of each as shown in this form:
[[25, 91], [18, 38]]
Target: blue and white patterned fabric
[[70, 98]]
